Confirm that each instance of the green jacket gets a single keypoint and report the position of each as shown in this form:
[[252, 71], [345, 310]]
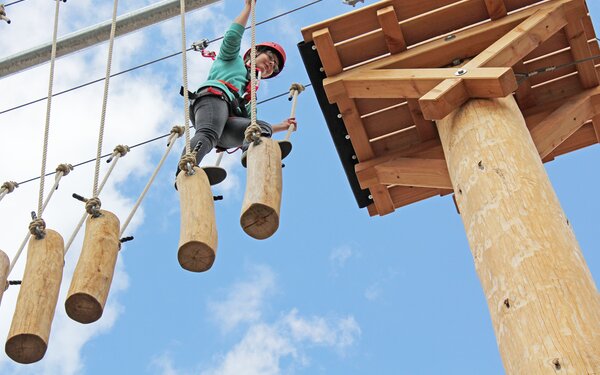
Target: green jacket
[[229, 65]]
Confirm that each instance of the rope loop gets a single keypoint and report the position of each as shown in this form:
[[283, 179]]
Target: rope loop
[[253, 134], [64, 168], [187, 162], [37, 228], [121, 150], [10, 186], [3, 14], [179, 130], [92, 206]]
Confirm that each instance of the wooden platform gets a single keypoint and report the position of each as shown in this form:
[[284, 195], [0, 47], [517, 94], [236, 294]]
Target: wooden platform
[[394, 67]]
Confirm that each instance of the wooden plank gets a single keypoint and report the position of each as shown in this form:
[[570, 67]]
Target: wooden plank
[[523, 39], [396, 142], [368, 106], [425, 128], [392, 31], [364, 19], [581, 50], [524, 95], [414, 83], [387, 122], [382, 199], [496, 9], [355, 129], [327, 53], [404, 195], [558, 89], [596, 125], [444, 99], [563, 122], [556, 59], [431, 173], [582, 138]]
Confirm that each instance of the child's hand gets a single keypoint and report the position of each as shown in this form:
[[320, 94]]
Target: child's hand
[[287, 123]]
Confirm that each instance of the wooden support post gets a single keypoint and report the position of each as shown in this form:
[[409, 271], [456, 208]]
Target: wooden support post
[[262, 201], [30, 329], [4, 266], [198, 234], [95, 269], [543, 301]]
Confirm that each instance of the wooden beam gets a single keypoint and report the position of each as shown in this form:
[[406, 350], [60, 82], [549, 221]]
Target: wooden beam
[[382, 199], [414, 83], [580, 50], [327, 53], [523, 39], [430, 173], [563, 122], [355, 129], [443, 99], [392, 31], [425, 128], [496, 9], [596, 123]]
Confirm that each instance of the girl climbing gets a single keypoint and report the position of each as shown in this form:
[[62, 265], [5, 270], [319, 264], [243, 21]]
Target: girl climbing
[[219, 109]]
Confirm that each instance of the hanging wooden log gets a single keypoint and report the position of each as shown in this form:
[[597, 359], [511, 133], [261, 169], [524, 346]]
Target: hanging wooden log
[[198, 235], [4, 266], [30, 330], [262, 201], [95, 269]]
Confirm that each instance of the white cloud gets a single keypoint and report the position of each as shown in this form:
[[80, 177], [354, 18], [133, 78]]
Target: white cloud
[[373, 292], [265, 344], [245, 300], [340, 255]]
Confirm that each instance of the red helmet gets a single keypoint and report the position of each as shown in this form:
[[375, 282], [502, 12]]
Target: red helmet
[[275, 48]]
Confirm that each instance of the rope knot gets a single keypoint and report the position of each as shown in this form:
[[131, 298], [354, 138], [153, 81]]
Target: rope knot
[[10, 186], [37, 228], [187, 162], [179, 130], [121, 150], [253, 133], [3, 14], [92, 206], [297, 87], [64, 168]]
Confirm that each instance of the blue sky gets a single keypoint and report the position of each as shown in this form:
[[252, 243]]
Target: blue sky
[[334, 291]]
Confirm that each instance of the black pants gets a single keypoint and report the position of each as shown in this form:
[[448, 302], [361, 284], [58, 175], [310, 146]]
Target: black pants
[[214, 127]]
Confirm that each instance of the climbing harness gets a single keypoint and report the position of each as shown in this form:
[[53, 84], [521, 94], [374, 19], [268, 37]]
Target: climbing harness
[[3, 16], [201, 46]]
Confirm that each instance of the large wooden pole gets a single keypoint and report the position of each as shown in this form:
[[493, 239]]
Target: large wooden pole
[[544, 304], [4, 266], [30, 329], [95, 269]]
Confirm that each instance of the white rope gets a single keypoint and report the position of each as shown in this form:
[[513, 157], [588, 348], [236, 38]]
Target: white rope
[[253, 131], [295, 90], [105, 98], [59, 175], [115, 158], [48, 110], [172, 139], [186, 99]]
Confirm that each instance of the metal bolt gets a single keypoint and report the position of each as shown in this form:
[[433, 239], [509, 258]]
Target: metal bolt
[[321, 69], [370, 197], [449, 37], [461, 72], [339, 115], [347, 136], [353, 157], [314, 48]]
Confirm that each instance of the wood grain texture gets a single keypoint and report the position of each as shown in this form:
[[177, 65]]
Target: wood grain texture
[[198, 233], [4, 265], [95, 268], [30, 329], [262, 201], [542, 299]]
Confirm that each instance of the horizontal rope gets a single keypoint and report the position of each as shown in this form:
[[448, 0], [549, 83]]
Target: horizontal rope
[[147, 63], [14, 2], [145, 142]]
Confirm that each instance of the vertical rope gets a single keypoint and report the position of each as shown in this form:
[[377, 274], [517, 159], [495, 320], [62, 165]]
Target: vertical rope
[[186, 99], [105, 99], [48, 110], [253, 63]]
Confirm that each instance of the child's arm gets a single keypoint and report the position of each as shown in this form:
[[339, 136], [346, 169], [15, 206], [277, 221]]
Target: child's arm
[[284, 125], [242, 18]]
